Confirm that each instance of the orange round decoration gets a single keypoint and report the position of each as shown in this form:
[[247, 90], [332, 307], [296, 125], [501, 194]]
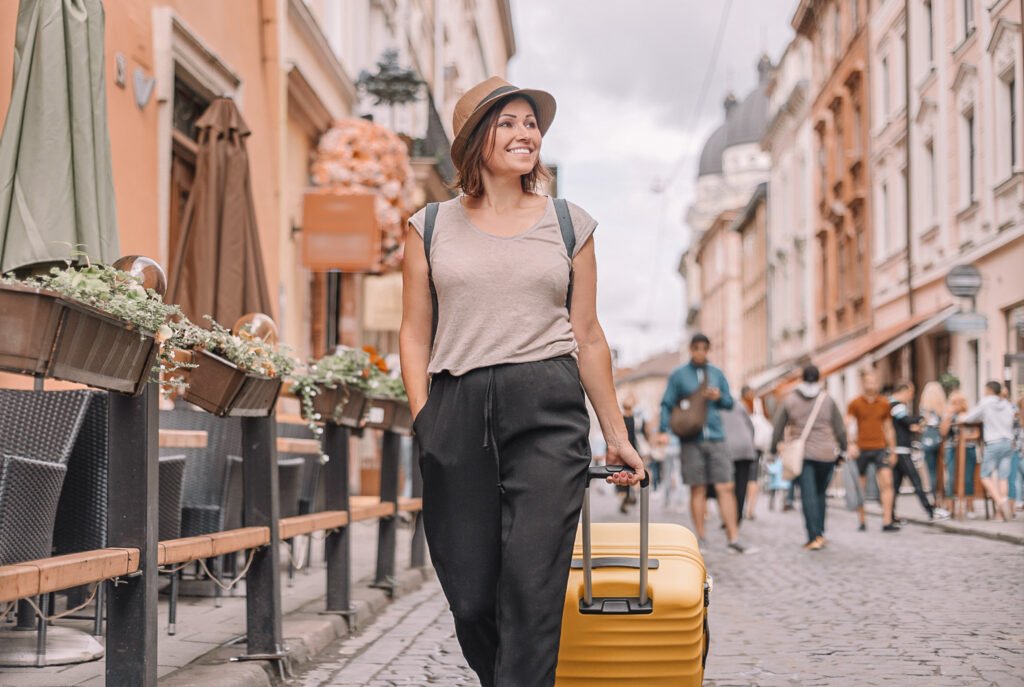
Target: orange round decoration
[[357, 155], [149, 272], [260, 326]]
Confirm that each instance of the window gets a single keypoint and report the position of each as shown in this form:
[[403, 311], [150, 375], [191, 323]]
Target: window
[[884, 85], [883, 222], [840, 151], [968, 16], [970, 154], [929, 22], [931, 179], [837, 31], [1011, 105], [855, 14]]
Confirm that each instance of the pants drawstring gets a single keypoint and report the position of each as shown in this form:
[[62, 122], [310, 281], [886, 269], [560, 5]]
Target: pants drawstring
[[489, 441]]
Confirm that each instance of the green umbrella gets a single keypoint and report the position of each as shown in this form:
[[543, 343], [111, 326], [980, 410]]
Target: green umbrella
[[56, 181]]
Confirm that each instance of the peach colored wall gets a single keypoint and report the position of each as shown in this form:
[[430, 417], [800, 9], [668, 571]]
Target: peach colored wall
[[241, 36]]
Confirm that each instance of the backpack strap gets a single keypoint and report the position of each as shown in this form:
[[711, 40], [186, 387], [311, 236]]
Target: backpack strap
[[428, 235], [569, 239]]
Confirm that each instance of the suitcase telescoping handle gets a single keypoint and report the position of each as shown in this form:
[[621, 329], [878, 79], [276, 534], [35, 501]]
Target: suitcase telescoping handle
[[641, 603]]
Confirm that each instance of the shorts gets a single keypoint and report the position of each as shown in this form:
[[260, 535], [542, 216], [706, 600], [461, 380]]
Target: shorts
[[706, 462], [878, 457], [996, 459]]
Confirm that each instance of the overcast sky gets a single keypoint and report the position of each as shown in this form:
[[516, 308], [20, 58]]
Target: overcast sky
[[627, 76]]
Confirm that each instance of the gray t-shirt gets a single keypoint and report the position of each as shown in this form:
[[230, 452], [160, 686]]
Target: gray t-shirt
[[500, 299]]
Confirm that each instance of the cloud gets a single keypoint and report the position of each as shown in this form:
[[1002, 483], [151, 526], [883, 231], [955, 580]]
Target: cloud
[[627, 77]]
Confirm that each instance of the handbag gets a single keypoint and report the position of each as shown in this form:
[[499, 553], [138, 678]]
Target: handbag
[[851, 487], [763, 432], [690, 414], [793, 451]]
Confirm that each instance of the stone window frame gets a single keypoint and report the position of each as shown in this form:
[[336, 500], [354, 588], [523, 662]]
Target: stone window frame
[[180, 52]]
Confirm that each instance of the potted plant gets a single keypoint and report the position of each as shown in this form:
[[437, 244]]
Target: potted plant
[[91, 324], [387, 405], [224, 373], [333, 389]]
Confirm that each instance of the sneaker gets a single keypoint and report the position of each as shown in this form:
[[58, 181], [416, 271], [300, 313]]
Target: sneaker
[[736, 547], [891, 527], [940, 514], [816, 545], [862, 527]]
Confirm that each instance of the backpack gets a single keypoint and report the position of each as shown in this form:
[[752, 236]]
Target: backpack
[[564, 224]]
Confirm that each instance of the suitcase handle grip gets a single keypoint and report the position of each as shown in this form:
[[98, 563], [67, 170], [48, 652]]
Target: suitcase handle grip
[[600, 472], [603, 471]]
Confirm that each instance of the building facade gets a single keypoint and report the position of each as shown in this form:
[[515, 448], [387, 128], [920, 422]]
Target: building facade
[[732, 164], [837, 33], [751, 226], [791, 208]]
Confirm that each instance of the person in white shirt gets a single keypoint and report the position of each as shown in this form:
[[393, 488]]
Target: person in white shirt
[[996, 415]]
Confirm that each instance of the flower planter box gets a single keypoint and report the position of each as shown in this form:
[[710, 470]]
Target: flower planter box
[[343, 405], [44, 334], [389, 414], [219, 387]]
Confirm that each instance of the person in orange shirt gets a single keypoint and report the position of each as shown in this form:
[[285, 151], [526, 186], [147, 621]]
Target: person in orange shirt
[[870, 421]]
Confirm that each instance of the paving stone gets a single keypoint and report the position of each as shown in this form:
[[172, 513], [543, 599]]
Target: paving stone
[[919, 607]]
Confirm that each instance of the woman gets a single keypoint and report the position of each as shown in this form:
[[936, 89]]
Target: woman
[[950, 429], [932, 405], [503, 429], [810, 412]]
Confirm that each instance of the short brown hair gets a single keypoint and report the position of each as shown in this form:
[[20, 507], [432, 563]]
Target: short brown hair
[[470, 174]]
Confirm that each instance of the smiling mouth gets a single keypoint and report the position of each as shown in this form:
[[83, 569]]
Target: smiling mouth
[[520, 151]]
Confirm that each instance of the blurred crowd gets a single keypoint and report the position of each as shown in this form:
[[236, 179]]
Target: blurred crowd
[[886, 441]]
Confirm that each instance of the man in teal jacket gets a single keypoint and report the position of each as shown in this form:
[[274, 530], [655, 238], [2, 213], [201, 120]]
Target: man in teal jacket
[[704, 457]]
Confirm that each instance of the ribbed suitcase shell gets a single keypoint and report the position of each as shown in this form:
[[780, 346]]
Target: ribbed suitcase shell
[[654, 650]]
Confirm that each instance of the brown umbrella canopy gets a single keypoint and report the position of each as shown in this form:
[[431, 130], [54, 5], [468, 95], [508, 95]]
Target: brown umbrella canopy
[[218, 268]]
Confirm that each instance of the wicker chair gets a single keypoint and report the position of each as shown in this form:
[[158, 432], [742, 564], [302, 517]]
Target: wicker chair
[[37, 432]]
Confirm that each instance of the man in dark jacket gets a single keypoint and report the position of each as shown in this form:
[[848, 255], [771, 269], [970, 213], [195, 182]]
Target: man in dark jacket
[[704, 457], [826, 441], [907, 426]]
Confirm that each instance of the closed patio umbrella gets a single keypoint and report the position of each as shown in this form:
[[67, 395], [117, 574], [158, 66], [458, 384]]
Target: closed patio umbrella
[[218, 268], [56, 181]]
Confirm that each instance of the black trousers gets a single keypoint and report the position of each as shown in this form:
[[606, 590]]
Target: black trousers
[[504, 452], [743, 469], [905, 468]]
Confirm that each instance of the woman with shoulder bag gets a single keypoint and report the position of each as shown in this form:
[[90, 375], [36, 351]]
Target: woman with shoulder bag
[[500, 323]]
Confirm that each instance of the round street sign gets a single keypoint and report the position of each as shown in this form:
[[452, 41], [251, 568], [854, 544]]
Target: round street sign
[[964, 281]]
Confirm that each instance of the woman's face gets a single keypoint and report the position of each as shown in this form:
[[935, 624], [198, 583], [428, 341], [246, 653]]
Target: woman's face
[[516, 145]]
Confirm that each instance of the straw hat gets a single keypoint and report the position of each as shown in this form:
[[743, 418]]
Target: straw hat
[[477, 101]]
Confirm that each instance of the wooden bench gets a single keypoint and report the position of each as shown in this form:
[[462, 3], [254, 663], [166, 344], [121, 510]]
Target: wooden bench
[[312, 522], [369, 508], [33, 578], [187, 549], [304, 447], [182, 438]]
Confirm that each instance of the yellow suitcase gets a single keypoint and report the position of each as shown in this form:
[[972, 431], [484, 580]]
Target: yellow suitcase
[[613, 636]]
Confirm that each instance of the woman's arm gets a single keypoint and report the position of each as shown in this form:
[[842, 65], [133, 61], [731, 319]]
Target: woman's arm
[[417, 322], [595, 363]]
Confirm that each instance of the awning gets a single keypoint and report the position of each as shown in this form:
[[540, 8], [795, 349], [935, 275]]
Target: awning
[[888, 339], [763, 382], [914, 332]]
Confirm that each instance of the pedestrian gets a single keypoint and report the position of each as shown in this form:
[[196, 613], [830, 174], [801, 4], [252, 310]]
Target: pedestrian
[[762, 444], [931, 407], [869, 415], [703, 455], [906, 425], [951, 431], [996, 415], [739, 442], [497, 384], [809, 410]]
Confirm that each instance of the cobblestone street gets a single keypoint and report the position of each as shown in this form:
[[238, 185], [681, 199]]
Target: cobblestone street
[[919, 607]]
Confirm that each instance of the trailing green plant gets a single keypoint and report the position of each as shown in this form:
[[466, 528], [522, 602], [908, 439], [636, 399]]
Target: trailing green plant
[[385, 385], [348, 367], [245, 350], [122, 296]]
